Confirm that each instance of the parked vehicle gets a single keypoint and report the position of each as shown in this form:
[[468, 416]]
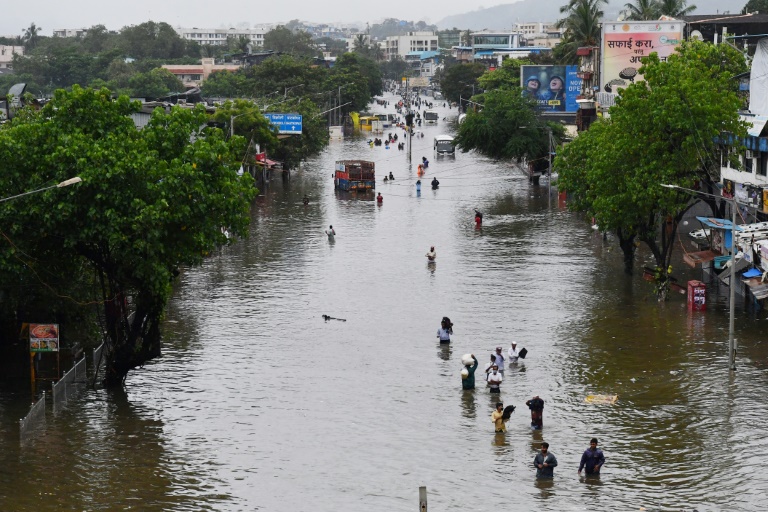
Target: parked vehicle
[[444, 145], [355, 175]]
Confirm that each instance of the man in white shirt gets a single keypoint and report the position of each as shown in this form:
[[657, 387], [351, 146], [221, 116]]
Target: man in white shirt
[[514, 355], [499, 360], [494, 380]]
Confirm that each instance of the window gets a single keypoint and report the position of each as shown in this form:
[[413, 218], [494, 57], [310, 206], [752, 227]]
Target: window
[[491, 40], [762, 164], [748, 162]]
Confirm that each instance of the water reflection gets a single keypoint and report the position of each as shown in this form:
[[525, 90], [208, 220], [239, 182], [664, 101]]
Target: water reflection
[[468, 407], [223, 421], [444, 351]]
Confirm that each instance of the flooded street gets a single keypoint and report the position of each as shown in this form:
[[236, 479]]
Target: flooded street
[[260, 404]]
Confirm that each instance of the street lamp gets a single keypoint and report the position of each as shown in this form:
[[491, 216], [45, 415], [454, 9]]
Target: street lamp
[[65, 183], [232, 123], [289, 88], [732, 281]]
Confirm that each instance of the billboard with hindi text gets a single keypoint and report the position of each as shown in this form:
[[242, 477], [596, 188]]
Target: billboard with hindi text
[[625, 43]]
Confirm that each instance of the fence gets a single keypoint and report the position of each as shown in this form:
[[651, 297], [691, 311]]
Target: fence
[[98, 361], [64, 387], [33, 420]]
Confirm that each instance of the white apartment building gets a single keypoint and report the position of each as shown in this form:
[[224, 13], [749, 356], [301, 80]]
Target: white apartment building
[[218, 36], [410, 42], [70, 32], [6, 55]]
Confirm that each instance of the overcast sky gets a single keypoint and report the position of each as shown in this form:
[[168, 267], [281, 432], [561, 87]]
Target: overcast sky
[[17, 15]]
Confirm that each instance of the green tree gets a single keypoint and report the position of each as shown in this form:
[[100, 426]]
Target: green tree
[[642, 10], [31, 37], [152, 40], [457, 81], [151, 201], [760, 6], [394, 69], [225, 84], [359, 77], [154, 84], [582, 27], [507, 127], [675, 8], [296, 44], [507, 76], [662, 130]]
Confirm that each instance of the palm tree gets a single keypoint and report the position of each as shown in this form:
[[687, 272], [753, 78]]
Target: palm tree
[[31, 37], [675, 8], [581, 24], [360, 45], [642, 10]]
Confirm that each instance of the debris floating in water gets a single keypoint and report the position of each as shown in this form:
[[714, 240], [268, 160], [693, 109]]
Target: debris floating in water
[[327, 317], [601, 399]]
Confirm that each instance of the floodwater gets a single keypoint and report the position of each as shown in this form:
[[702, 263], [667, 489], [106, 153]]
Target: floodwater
[[260, 404]]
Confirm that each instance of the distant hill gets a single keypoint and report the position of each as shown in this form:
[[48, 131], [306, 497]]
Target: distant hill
[[506, 15]]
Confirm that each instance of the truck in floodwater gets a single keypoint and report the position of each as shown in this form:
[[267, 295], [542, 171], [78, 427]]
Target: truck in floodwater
[[355, 175]]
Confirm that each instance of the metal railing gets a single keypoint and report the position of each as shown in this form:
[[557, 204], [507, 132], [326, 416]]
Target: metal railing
[[34, 419], [65, 386]]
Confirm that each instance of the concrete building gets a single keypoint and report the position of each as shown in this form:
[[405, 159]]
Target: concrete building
[[6, 55], [401, 46], [219, 36], [70, 32], [194, 75]]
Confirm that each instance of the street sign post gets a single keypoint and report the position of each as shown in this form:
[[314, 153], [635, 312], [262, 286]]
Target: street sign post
[[290, 124]]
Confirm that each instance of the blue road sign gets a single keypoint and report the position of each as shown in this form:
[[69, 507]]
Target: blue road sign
[[286, 123]]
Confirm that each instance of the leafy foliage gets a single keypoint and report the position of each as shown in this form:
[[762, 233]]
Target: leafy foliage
[[662, 130], [151, 200], [457, 80], [298, 44], [507, 127], [582, 27]]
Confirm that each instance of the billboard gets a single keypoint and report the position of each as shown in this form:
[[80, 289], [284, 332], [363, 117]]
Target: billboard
[[286, 123], [43, 337], [624, 44], [554, 87]]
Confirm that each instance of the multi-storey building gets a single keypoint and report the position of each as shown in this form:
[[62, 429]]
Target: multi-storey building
[[400, 46], [6, 55], [219, 36], [70, 32]]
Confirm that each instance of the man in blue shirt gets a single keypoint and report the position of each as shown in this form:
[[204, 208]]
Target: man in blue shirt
[[593, 459]]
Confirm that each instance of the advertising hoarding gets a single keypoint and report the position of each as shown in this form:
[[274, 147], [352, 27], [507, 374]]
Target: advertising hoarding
[[556, 89], [625, 43], [43, 337]]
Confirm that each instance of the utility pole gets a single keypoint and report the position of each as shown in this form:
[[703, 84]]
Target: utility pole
[[549, 170]]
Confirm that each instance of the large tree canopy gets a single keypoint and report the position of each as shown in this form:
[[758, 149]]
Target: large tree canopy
[[151, 201], [507, 127], [662, 130]]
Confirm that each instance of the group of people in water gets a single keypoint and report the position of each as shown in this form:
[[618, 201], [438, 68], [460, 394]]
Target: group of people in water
[[544, 462]]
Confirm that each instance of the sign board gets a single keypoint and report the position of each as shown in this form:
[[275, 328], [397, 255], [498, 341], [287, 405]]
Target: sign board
[[624, 44], [286, 123], [43, 337], [554, 88], [420, 81]]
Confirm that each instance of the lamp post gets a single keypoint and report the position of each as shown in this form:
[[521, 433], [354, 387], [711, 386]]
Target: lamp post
[[65, 183], [732, 291], [289, 88]]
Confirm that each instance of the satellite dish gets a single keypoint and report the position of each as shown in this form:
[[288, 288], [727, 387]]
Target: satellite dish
[[697, 35]]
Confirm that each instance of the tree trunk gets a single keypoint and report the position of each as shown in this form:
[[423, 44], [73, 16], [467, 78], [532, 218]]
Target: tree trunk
[[134, 342], [627, 244]]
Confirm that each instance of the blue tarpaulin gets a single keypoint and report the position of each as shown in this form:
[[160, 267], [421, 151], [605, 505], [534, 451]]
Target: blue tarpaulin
[[753, 272], [717, 223]]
